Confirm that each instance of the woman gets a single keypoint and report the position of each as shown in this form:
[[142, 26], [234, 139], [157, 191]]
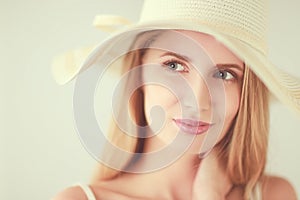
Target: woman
[[220, 109]]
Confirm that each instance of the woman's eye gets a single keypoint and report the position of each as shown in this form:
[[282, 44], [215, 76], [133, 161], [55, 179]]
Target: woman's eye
[[222, 74], [175, 66]]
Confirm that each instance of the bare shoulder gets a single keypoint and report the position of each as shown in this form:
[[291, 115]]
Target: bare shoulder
[[277, 188], [71, 193]]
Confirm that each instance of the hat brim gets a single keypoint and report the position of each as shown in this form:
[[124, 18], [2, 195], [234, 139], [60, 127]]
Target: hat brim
[[282, 85]]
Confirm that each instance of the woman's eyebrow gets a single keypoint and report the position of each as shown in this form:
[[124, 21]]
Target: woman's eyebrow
[[231, 65], [221, 65], [181, 57]]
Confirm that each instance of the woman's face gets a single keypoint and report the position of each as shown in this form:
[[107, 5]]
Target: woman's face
[[197, 85]]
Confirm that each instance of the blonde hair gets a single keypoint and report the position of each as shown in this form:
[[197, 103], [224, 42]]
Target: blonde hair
[[246, 151], [244, 148], [115, 135]]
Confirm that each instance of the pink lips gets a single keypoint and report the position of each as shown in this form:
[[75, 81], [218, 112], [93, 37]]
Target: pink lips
[[192, 126]]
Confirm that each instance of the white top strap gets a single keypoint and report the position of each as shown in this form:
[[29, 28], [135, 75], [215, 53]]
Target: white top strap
[[87, 190], [257, 194]]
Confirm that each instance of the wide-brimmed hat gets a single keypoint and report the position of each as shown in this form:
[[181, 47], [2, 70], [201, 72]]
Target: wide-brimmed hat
[[241, 25]]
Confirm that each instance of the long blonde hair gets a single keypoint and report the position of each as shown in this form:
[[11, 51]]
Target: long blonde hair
[[244, 148]]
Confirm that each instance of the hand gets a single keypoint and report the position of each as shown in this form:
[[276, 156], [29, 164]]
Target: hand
[[211, 181]]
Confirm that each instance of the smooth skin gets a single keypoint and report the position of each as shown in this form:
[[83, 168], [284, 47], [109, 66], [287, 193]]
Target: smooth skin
[[188, 177]]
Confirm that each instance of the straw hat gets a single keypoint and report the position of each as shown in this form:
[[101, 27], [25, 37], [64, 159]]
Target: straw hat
[[241, 25]]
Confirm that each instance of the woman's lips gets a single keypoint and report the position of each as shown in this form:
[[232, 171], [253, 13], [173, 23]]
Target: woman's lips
[[192, 126]]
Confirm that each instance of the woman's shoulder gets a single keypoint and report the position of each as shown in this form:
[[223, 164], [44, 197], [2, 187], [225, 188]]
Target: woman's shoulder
[[71, 193], [274, 187], [101, 190]]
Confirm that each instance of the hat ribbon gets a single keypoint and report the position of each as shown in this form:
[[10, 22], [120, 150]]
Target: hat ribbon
[[110, 23]]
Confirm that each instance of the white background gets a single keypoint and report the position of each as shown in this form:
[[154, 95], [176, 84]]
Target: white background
[[40, 152]]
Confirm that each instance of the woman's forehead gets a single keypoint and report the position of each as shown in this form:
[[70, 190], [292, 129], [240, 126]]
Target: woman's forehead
[[191, 43]]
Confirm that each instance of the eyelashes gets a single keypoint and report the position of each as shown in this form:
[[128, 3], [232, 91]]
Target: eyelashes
[[174, 65], [225, 74]]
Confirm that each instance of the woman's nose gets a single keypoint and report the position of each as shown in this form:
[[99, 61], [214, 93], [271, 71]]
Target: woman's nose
[[201, 90], [196, 97]]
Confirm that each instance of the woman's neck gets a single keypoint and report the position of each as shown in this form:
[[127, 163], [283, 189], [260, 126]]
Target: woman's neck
[[173, 181]]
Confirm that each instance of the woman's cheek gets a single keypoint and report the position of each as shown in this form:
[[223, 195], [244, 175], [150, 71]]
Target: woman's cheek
[[158, 96], [232, 107]]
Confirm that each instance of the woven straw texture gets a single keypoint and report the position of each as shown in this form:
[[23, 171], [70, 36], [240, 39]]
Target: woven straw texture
[[241, 25], [243, 19]]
